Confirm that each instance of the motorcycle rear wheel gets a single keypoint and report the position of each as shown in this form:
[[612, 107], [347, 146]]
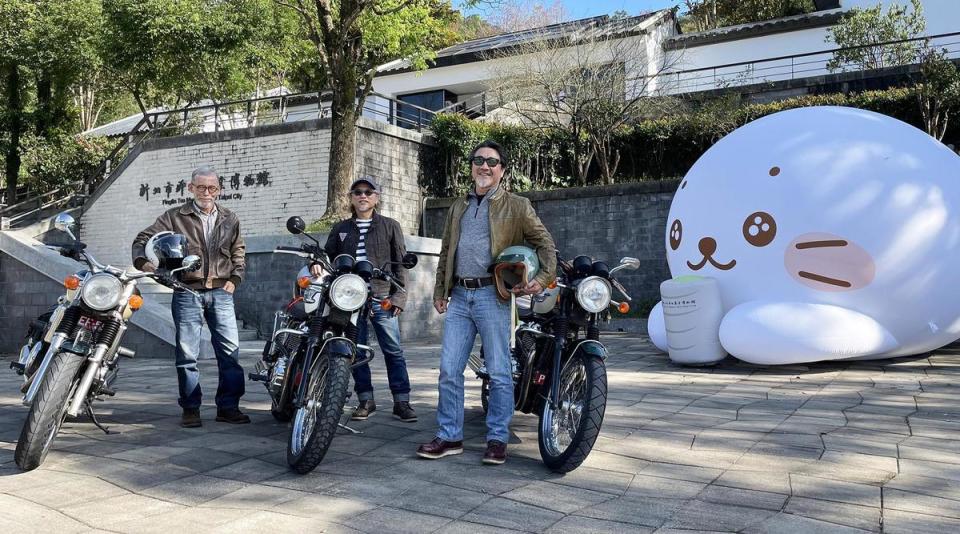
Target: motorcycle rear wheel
[[566, 435], [48, 411], [315, 423]]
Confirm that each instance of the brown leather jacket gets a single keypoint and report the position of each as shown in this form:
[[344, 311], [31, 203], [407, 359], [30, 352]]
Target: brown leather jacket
[[512, 222], [223, 259]]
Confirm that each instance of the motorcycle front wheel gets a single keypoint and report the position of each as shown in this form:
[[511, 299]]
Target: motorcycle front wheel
[[566, 434], [48, 411], [315, 423]]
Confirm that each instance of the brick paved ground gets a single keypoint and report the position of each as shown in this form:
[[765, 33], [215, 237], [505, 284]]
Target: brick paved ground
[[735, 448]]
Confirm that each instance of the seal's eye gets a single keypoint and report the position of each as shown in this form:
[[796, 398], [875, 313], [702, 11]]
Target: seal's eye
[[759, 229], [676, 234]]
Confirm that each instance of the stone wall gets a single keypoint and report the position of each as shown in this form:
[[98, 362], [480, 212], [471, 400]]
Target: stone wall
[[602, 222], [25, 293], [268, 173], [270, 278]]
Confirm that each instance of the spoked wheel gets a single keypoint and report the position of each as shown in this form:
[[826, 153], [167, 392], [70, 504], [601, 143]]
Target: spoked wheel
[[567, 433], [315, 423]]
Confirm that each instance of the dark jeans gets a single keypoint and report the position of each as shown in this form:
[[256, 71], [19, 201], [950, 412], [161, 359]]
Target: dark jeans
[[216, 307], [387, 328]]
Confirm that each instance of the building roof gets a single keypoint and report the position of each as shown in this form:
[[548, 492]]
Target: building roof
[[575, 30], [814, 19]]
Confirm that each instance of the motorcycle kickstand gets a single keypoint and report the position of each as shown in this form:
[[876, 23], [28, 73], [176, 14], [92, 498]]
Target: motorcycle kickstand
[[351, 430], [93, 417]]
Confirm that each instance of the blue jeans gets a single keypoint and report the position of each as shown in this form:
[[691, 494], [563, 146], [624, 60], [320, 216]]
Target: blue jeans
[[216, 307], [387, 328], [473, 311]]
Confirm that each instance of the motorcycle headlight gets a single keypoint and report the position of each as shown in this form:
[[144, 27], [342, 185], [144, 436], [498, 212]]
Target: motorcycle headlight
[[101, 292], [593, 294], [348, 292]]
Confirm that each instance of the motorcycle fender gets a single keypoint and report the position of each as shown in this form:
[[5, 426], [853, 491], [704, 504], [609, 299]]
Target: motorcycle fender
[[55, 318], [340, 347], [591, 348]]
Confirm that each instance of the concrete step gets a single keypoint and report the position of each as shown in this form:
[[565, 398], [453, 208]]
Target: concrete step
[[248, 334]]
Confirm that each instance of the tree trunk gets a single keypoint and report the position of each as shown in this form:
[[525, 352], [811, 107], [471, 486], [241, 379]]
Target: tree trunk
[[342, 149], [15, 111]]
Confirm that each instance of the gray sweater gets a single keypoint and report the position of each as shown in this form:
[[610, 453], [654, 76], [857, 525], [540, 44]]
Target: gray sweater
[[473, 250]]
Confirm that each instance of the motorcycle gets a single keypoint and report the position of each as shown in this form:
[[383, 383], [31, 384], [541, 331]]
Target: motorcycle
[[558, 361], [306, 363], [80, 345]]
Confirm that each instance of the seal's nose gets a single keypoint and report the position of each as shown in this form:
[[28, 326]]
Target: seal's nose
[[707, 246]]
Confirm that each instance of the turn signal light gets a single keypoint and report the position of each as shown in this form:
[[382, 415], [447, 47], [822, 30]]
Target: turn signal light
[[624, 307], [71, 282], [552, 285], [303, 282], [386, 305], [135, 302]]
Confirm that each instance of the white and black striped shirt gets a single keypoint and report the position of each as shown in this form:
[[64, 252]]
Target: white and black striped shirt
[[364, 226]]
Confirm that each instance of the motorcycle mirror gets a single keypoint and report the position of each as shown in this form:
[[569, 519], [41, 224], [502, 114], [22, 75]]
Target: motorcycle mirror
[[295, 225], [630, 263], [409, 260], [191, 263], [65, 223]]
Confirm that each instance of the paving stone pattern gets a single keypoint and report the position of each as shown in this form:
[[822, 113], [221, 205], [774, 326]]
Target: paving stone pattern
[[831, 448]]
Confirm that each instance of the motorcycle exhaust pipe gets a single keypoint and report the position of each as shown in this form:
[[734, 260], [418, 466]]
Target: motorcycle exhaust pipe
[[37, 377], [476, 363], [93, 366]]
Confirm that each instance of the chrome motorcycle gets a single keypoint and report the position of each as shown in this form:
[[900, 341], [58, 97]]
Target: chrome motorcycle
[[80, 345], [307, 361], [558, 361]]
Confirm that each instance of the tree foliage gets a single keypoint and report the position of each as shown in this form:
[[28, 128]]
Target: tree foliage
[[865, 34], [702, 15]]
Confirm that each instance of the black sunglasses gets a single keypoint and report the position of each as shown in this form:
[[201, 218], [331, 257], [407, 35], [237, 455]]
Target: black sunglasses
[[480, 160], [363, 192]]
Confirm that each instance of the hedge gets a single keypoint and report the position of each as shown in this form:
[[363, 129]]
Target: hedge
[[650, 150]]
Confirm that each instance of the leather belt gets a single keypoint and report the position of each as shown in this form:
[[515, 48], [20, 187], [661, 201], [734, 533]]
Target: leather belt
[[473, 283]]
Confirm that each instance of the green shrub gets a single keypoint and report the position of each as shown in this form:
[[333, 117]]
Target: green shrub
[[49, 163], [652, 149]]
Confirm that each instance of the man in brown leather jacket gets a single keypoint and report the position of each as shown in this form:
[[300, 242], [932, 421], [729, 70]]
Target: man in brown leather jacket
[[213, 233], [479, 226]]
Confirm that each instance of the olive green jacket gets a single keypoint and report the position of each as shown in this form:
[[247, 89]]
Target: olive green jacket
[[512, 222]]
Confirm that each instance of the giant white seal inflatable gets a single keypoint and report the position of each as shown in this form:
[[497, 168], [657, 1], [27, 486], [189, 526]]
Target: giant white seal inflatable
[[833, 233]]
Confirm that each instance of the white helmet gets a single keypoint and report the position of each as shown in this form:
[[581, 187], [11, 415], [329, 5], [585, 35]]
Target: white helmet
[[166, 250]]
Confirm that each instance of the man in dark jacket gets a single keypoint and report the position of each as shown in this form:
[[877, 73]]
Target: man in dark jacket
[[378, 239], [213, 233]]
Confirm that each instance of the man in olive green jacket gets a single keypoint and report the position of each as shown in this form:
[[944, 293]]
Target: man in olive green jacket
[[478, 228]]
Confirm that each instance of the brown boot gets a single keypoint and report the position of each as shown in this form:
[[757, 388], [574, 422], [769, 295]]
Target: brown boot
[[439, 448], [496, 453]]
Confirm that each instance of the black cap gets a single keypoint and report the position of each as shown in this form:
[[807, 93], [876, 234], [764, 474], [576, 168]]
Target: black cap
[[365, 180]]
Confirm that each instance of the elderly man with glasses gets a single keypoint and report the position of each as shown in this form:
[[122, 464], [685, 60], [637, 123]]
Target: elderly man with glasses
[[213, 233], [378, 239]]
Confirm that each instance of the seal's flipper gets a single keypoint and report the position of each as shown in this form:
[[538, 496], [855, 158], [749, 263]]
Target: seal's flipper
[[775, 333]]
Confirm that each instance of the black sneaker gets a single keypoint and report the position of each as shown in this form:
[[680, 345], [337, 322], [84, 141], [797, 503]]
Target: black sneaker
[[233, 416], [404, 412], [363, 411], [191, 418]]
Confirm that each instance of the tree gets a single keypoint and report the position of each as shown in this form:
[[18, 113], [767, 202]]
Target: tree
[[588, 88], [165, 52], [938, 91], [517, 15], [350, 39], [702, 15], [865, 35]]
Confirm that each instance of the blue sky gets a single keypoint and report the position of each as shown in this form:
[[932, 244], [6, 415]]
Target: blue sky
[[579, 9]]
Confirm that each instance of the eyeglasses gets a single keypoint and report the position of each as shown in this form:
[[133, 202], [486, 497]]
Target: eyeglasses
[[480, 160], [363, 192], [212, 189]]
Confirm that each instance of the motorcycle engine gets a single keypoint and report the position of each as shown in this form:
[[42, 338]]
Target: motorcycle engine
[[277, 374]]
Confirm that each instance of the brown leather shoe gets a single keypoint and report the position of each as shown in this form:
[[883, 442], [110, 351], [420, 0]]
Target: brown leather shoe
[[191, 418], [496, 453], [439, 448]]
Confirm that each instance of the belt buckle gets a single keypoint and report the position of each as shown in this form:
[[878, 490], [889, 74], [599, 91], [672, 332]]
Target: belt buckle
[[466, 283]]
